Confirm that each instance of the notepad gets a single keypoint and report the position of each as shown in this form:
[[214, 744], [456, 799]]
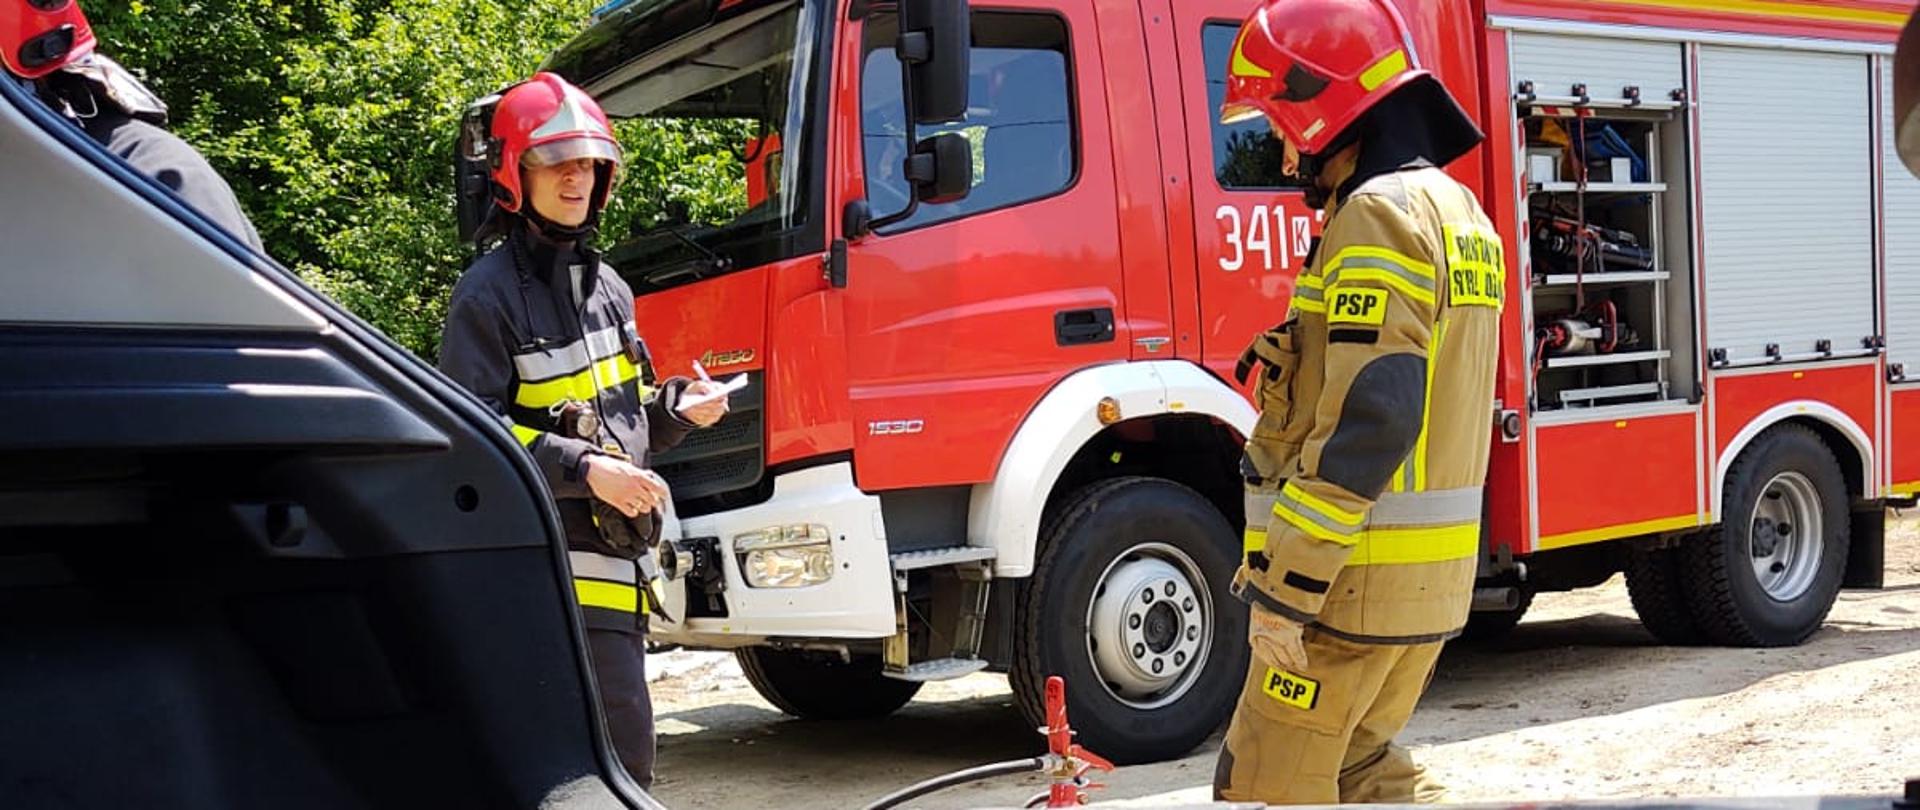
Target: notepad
[[726, 389]]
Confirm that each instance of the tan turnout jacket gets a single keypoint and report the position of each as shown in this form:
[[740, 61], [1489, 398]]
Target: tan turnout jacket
[[1376, 396]]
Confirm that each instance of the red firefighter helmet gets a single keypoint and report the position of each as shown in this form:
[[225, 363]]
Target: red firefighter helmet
[[1314, 66], [38, 37], [543, 121]]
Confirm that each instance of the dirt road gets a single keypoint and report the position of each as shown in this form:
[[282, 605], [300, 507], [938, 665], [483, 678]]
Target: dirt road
[[1579, 702]]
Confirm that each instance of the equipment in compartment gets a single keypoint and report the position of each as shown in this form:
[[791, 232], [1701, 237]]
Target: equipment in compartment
[[1603, 148], [1595, 234], [1563, 245], [1590, 151], [1594, 329]]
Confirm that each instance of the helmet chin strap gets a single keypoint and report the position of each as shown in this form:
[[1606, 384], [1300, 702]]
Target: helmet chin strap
[[1313, 166], [1317, 193]]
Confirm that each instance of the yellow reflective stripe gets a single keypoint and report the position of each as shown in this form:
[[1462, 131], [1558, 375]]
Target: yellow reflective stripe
[[607, 595], [1426, 410], [1553, 541], [1384, 265], [1312, 527], [1781, 10], [1424, 544], [1909, 488], [1389, 66], [1399, 481], [613, 371], [1254, 540], [1380, 257], [1308, 295], [1313, 502], [526, 435], [1240, 65]]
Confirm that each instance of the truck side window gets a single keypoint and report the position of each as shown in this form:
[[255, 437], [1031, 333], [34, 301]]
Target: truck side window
[[1020, 117], [1245, 155]]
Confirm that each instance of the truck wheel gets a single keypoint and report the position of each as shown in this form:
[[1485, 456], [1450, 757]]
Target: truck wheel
[[1128, 602], [1769, 576], [819, 686], [1487, 625], [1657, 586]]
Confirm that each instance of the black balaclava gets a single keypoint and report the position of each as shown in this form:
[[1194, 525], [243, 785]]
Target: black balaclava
[[1419, 125]]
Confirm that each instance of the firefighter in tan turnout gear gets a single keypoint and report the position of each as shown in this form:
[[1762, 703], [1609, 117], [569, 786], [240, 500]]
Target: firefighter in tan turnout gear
[[1365, 468]]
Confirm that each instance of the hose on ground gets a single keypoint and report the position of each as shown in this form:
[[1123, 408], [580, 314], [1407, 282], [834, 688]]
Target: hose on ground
[[945, 781]]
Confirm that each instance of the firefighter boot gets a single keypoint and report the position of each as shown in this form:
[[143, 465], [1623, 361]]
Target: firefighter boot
[[1324, 735]]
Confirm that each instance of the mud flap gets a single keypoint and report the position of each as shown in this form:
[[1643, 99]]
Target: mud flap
[[1867, 549]]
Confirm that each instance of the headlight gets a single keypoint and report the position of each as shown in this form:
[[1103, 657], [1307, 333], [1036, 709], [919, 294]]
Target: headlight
[[786, 556]]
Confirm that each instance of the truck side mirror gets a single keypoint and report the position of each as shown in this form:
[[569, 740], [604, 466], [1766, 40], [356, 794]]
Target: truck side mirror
[[935, 42], [941, 168]]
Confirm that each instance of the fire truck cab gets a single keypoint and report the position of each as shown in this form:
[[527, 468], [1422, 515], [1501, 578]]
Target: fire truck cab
[[992, 422]]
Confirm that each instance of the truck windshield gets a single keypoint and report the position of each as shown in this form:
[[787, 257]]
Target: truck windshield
[[705, 121]]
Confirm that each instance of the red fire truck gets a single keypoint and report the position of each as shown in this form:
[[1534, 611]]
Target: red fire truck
[[989, 311]]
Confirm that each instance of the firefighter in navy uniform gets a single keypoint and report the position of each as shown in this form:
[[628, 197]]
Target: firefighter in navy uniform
[[1365, 469], [543, 332], [49, 43]]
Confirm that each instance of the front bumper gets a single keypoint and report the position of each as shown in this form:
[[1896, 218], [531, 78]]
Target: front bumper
[[857, 603]]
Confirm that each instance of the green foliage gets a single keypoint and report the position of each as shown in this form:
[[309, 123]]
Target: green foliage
[[676, 159], [1254, 160], [334, 120]]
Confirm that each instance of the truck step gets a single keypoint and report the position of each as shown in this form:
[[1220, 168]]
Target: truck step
[[940, 669], [935, 557]]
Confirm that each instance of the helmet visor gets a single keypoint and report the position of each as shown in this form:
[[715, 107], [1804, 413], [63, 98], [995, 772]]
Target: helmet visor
[[548, 154], [1238, 113]]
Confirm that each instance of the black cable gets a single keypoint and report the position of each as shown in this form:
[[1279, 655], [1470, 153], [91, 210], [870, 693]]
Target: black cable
[[945, 781]]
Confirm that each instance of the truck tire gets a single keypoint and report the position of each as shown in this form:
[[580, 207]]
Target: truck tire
[[819, 686], [1129, 603], [1769, 576], [1489, 625], [1657, 586]]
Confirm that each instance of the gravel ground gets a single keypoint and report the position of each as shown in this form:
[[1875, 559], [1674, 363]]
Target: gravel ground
[[1578, 703]]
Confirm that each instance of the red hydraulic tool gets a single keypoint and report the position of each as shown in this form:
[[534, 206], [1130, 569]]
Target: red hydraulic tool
[[1065, 762]]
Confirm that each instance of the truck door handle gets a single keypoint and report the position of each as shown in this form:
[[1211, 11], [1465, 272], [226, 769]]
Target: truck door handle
[[1075, 327]]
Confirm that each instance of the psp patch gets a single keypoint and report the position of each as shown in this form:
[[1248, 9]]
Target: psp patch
[[1294, 690], [1356, 305]]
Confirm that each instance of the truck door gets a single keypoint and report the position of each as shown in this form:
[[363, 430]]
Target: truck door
[[249, 548], [1252, 229], [962, 316]]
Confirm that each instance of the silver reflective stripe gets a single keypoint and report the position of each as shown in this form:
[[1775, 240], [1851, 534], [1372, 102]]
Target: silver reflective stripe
[[1259, 504], [605, 343], [1439, 507], [1294, 506], [1306, 293], [539, 366], [548, 364], [600, 566], [1406, 475], [1377, 263]]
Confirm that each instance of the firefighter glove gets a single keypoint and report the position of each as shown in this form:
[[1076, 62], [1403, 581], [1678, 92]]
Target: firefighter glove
[[1276, 640]]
